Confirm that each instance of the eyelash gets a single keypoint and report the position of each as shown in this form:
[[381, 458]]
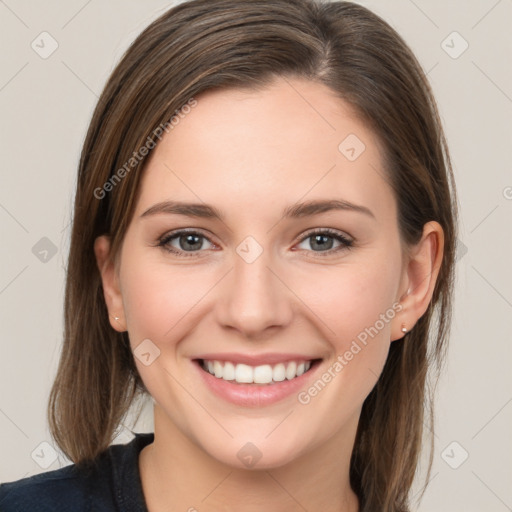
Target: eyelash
[[346, 242]]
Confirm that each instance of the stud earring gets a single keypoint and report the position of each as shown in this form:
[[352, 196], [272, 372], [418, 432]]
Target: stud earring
[[404, 329], [116, 318]]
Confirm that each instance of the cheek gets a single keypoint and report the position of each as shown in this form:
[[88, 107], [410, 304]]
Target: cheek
[[161, 304], [158, 298], [355, 308], [349, 299]]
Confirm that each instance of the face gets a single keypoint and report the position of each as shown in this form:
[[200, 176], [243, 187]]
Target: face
[[272, 281]]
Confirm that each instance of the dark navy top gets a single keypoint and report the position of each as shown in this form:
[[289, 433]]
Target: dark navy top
[[112, 484]]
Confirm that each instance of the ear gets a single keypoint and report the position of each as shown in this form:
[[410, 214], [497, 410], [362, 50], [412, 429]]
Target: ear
[[110, 280], [419, 278]]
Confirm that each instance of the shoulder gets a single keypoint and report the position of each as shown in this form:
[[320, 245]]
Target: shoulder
[[53, 490], [99, 487]]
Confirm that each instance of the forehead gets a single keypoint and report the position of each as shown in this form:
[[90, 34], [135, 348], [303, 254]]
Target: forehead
[[294, 140]]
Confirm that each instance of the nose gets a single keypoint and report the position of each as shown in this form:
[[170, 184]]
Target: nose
[[255, 299]]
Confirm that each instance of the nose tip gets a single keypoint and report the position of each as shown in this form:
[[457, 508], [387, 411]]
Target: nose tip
[[253, 298]]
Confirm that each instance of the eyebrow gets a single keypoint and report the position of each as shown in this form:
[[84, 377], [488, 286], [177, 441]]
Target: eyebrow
[[306, 209]]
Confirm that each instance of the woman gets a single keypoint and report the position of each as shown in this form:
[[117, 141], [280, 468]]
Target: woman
[[263, 242]]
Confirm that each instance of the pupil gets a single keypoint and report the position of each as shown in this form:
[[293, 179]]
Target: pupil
[[191, 240], [320, 241]]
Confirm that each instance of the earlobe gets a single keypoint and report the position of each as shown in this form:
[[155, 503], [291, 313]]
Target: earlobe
[[110, 281], [420, 277]]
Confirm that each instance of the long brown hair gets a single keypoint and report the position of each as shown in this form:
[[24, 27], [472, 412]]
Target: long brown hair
[[204, 44]]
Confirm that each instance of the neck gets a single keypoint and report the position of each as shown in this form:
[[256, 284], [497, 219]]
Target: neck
[[175, 471]]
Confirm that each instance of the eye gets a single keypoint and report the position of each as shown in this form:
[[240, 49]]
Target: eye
[[185, 243], [322, 241], [182, 242]]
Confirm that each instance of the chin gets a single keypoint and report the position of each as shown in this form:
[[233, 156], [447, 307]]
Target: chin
[[254, 455]]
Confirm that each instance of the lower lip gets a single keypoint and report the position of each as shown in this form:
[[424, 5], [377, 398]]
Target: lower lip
[[255, 395]]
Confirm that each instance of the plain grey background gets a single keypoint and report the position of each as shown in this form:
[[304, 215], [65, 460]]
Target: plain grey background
[[56, 57]]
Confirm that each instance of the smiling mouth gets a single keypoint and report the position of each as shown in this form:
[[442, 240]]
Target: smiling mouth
[[265, 374]]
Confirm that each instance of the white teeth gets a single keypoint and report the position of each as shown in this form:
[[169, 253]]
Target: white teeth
[[243, 373], [263, 374], [279, 372], [229, 371], [291, 370], [217, 369]]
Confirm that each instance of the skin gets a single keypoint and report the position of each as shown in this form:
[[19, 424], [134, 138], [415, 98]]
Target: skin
[[251, 154]]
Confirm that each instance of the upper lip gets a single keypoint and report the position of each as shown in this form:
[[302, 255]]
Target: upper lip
[[257, 359]]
